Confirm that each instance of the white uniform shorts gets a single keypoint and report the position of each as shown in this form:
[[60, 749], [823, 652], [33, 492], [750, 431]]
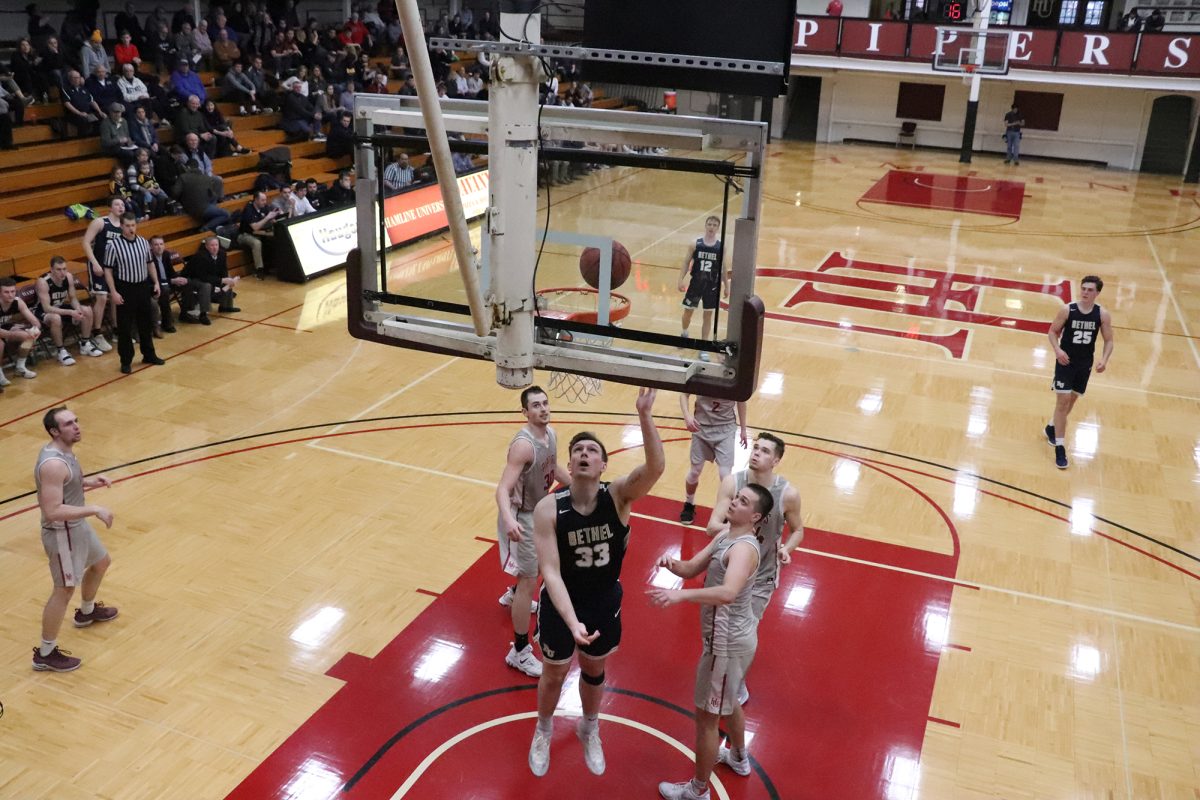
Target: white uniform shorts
[[71, 551], [719, 450], [718, 679], [518, 559]]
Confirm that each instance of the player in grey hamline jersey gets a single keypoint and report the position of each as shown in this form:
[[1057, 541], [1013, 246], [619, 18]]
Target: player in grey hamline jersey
[[764, 458], [530, 470], [729, 629], [713, 425], [77, 558]]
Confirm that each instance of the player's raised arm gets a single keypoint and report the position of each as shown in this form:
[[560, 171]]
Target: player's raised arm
[[1106, 330], [641, 480], [691, 567], [717, 521], [741, 562]]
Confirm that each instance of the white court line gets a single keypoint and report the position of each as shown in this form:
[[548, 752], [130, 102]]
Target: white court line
[[392, 396], [1125, 615], [714, 781], [1116, 657], [1169, 290]]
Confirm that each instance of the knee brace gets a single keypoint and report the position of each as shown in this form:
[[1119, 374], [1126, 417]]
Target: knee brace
[[592, 680]]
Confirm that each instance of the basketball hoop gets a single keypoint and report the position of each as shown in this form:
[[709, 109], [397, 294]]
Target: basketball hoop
[[579, 304]]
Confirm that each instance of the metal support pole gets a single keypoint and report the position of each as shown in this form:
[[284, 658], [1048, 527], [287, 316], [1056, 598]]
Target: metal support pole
[[439, 148]]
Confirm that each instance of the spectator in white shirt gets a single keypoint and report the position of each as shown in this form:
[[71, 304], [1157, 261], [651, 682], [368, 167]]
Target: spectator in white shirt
[[299, 200]]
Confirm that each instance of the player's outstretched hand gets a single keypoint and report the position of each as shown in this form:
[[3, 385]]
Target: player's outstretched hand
[[662, 597], [645, 400], [580, 633]]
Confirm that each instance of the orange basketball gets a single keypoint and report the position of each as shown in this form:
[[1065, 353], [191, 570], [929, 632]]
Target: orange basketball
[[589, 265]]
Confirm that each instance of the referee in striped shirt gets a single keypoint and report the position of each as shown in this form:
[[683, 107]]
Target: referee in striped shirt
[[134, 289]]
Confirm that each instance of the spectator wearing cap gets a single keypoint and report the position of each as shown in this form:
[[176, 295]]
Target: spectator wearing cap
[[80, 110], [103, 88], [92, 54], [185, 83], [115, 139]]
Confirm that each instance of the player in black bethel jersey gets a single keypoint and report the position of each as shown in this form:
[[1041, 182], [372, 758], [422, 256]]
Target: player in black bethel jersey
[[581, 534], [1073, 337], [704, 265]]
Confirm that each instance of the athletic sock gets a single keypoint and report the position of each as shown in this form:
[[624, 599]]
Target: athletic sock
[[1060, 442], [739, 754], [87, 606], [691, 498], [699, 787], [590, 723], [520, 641], [20, 364], [545, 725], [47, 647]]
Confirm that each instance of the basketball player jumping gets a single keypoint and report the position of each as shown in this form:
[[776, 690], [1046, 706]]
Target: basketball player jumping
[[76, 555], [712, 426], [730, 635], [582, 533], [764, 458], [1073, 337], [530, 471], [703, 264]]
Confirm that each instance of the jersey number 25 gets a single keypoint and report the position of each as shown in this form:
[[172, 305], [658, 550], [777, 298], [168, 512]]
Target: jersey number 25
[[1082, 337]]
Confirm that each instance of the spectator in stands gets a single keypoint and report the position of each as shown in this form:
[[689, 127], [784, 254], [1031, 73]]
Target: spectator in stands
[[155, 18], [371, 19], [226, 52], [1131, 22], [19, 329], [190, 120], [474, 84], [1155, 22], [393, 34], [126, 52], [153, 198], [462, 162], [288, 17], [238, 88], [199, 194], [317, 84], [80, 111], [160, 47], [301, 77], [315, 194], [12, 95], [142, 131], [300, 118], [170, 283], [53, 66], [398, 174], [134, 93], [183, 16], [346, 100], [255, 225], [193, 154], [208, 275], [36, 25], [120, 186], [285, 56], [410, 87], [488, 26], [341, 193], [258, 76], [227, 143], [6, 126], [58, 301], [76, 30], [103, 88], [27, 74], [115, 139], [92, 54], [378, 84], [340, 141], [468, 21], [201, 42], [238, 20], [458, 82], [185, 83], [127, 22], [260, 35], [221, 25], [283, 201], [185, 46], [299, 200]]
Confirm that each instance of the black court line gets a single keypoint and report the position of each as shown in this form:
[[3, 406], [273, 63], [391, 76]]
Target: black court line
[[952, 470], [370, 763]]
